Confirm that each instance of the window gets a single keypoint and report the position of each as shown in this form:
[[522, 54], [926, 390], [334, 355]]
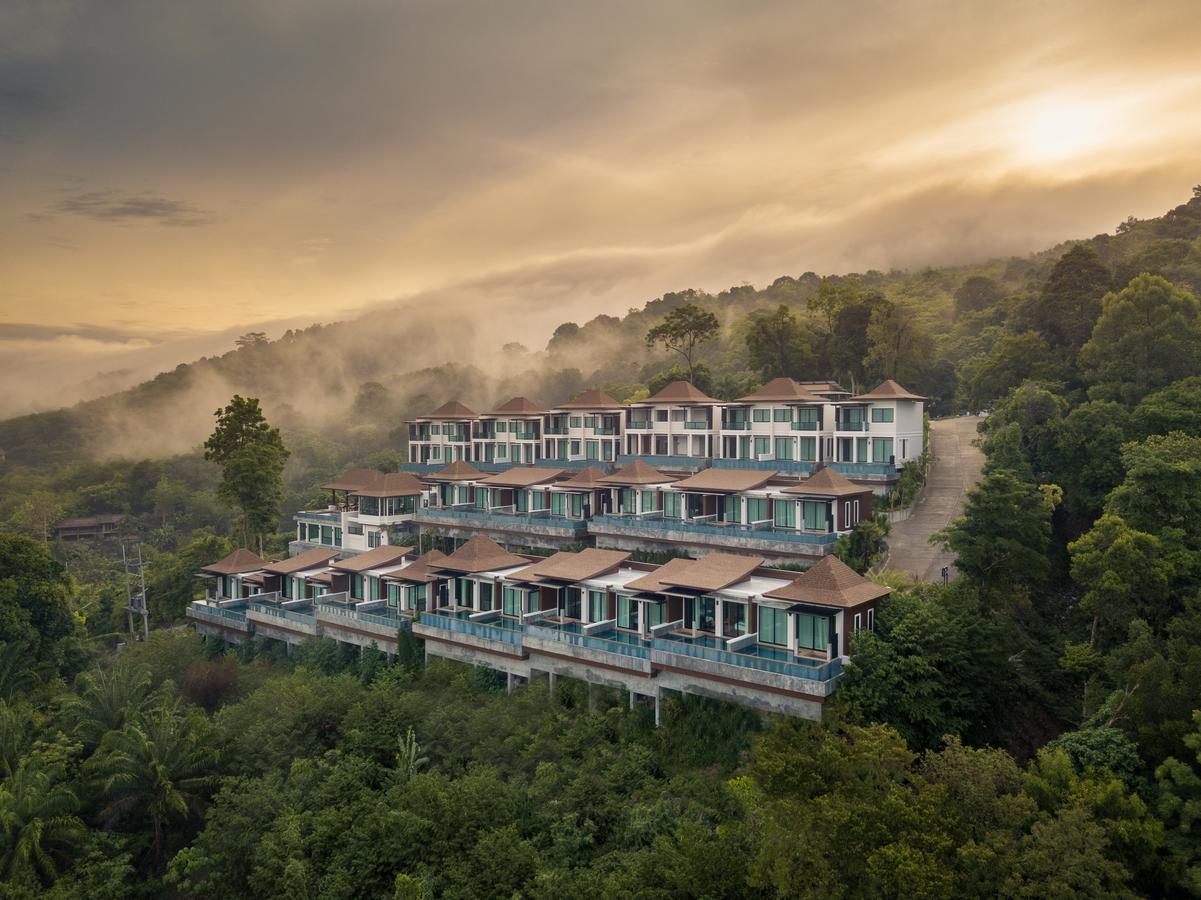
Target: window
[[655, 614], [785, 514], [846, 514], [677, 415], [435, 452], [337, 537], [355, 529], [627, 613], [417, 597], [808, 449], [781, 415], [860, 449], [607, 450], [784, 448], [373, 539], [502, 451], [671, 505], [813, 515], [700, 614], [512, 602], [500, 426], [812, 632], [356, 587], [756, 509], [660, 415], [806, 417], [315, 533], [589, 421], [858, 622], [571, 602], [575, 421], [881, 449], [871, 620], [629, 501], [648, 501], [733, 508], [762, 447], [485, 590], [761, 415], [395, 592], [593, 448], [327, 535], [733, 616], [597, 607], [773, 626], [372, 588], [558, 504], [881, 415], [855, 520], [575, 448]]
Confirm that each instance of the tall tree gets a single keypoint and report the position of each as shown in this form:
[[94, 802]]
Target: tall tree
[[252, 455], [898, 347], [1162, 487], [39, 830], [1148, 336], [976, 294], [684, 331], [36, 599], [1070, 300], [777, 346]]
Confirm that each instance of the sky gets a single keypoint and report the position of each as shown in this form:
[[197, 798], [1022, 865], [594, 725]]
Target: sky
[[173, 174]]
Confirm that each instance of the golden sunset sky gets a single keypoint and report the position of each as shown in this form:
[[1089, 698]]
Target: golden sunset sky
[[175, 173]]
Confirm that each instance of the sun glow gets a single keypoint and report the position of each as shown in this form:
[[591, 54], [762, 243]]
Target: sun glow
[[1055, 129]]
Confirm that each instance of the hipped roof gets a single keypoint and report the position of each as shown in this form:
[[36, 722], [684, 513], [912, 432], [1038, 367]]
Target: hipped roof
[[522, 476], [518, 406], [888, 390], [452, 410], [591, 399], [565, 566], [830, 582], [310, 559], [420, 571], [681, 392], [724, 481], [393, 484], [481, 554], [782, 389], [638, 472], [585, 480], [372, 559], [236, 563], [458, 470], [353, 480], [825, 482], [709, 573]]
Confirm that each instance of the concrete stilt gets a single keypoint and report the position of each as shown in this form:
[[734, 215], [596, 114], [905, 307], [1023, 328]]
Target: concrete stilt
[[631, 701], [658, 708], [551, 680], [591, 697], [508, 682]]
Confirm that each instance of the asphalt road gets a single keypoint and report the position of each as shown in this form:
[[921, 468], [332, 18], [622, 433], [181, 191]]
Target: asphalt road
[[956, 468]]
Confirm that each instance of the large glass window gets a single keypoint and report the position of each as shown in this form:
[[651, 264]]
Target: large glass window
[[784, 448], [571, 603], [607, 450], [806, 416], [784, 414], [512, 602], [593, 449], [369, 506], [417, 597], [656, 613], [629, 501], [672, 505], [558, 504], [575, 421], [597, 607], [881, 415], [812, 632], [627, 613], [756, 509], [733, 508], [700, 614], [773, 626], [395, 594], [761, 415], [814, 515], [315, 533], [648, 501], [575, 448], [785, 516], [327, 535], [808, 449], [733, 617], [762, 447], [881, 449], [485, 591]]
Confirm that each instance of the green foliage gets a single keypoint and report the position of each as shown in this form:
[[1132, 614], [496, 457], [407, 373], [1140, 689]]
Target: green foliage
[[252, 456], [1162, 487], [778, 345], [1179, 783], [863, 546], [684, 331]]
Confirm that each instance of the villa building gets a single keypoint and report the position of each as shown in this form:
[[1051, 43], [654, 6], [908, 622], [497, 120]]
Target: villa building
[[364, 505]]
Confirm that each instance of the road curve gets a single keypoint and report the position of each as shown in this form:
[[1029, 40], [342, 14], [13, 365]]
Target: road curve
[[956, 468]]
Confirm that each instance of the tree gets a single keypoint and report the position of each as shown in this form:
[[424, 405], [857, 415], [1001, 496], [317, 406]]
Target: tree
[[106, 701], [1162, 487], [38, 825], [898, 347], [1148, 336], [38, 513], [1179, 783], [864, 544], [1070, 300], [777, 346], [409, 760], [251, 339], [36, 599], [158, 771], [1175, 408], [252, 455], [1001, 539], [977, 294], [685, 329]]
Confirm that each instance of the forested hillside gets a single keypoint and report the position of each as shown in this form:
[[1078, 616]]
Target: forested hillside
[[1029, 730]]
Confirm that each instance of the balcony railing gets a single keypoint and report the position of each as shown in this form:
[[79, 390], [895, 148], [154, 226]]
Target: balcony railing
[[278, 613], [319, 515], [501, 520], [736, 426], [601, 429], [575, 639], [386, 620], [632, 524], [804, 426], [697, 426], [501, 633], [822, 672], [640, 424], [851, 426], [218, 615]]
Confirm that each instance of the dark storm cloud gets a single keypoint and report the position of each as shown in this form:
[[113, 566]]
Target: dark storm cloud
[[115, 206]]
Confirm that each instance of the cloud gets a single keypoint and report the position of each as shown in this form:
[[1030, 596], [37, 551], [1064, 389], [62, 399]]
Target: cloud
[[116, 206]]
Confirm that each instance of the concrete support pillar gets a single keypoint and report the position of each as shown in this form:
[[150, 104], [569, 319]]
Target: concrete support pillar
[[658, 707], [631, 701], [551, 680], [508, 682]]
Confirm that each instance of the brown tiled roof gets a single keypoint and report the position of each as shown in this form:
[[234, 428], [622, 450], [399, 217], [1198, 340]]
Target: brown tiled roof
[[566, 566], [372, 559], [680, 392], [452, 410], [709, 573], [393, 484], [518, 406], [353, 480], [321, 578], [888, 390], [825, 482], [832, 387], [420, 570], [585, 479], [782, 389], [638, 472], [92, 521], [724, 481], [237, 563], [522, 476], [481, 554], [459, 470], [830, 582], [591, 399], [310, 559]]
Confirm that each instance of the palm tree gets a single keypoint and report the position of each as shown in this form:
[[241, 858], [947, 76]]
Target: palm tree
[[17, 675], [38, 825], [16, 728], [106, 701], [159, 769]]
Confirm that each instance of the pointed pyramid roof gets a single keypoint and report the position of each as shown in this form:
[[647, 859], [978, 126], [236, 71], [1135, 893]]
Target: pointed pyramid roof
[[420, 570], [591, 399], [568, 566], [585, 479], [236, 563], [481, 554], [638, 472], [353, 480], [825, 482], [782, 389], [888, 390], [452, 410], [725, 481], [459, 470], [712, 572], [830, 582], [518, 406], [680, 392], [392, 484]]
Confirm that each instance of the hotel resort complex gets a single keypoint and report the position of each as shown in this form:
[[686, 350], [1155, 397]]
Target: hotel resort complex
[[544, 514]]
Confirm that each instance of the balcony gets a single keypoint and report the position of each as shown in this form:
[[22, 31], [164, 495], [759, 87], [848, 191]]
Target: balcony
[[851, 426], [804, 426], [457, 628], [736, 426], [761, 538], [320, 515], [539, 522], [795, 675], [601, 429], [225, 617], [382, 624], [640, 424], [697, 426]]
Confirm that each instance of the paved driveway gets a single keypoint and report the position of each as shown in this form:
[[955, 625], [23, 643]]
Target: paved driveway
[[956, 468]]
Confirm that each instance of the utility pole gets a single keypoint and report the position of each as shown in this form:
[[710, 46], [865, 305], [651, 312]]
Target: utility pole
[[135, 591]]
